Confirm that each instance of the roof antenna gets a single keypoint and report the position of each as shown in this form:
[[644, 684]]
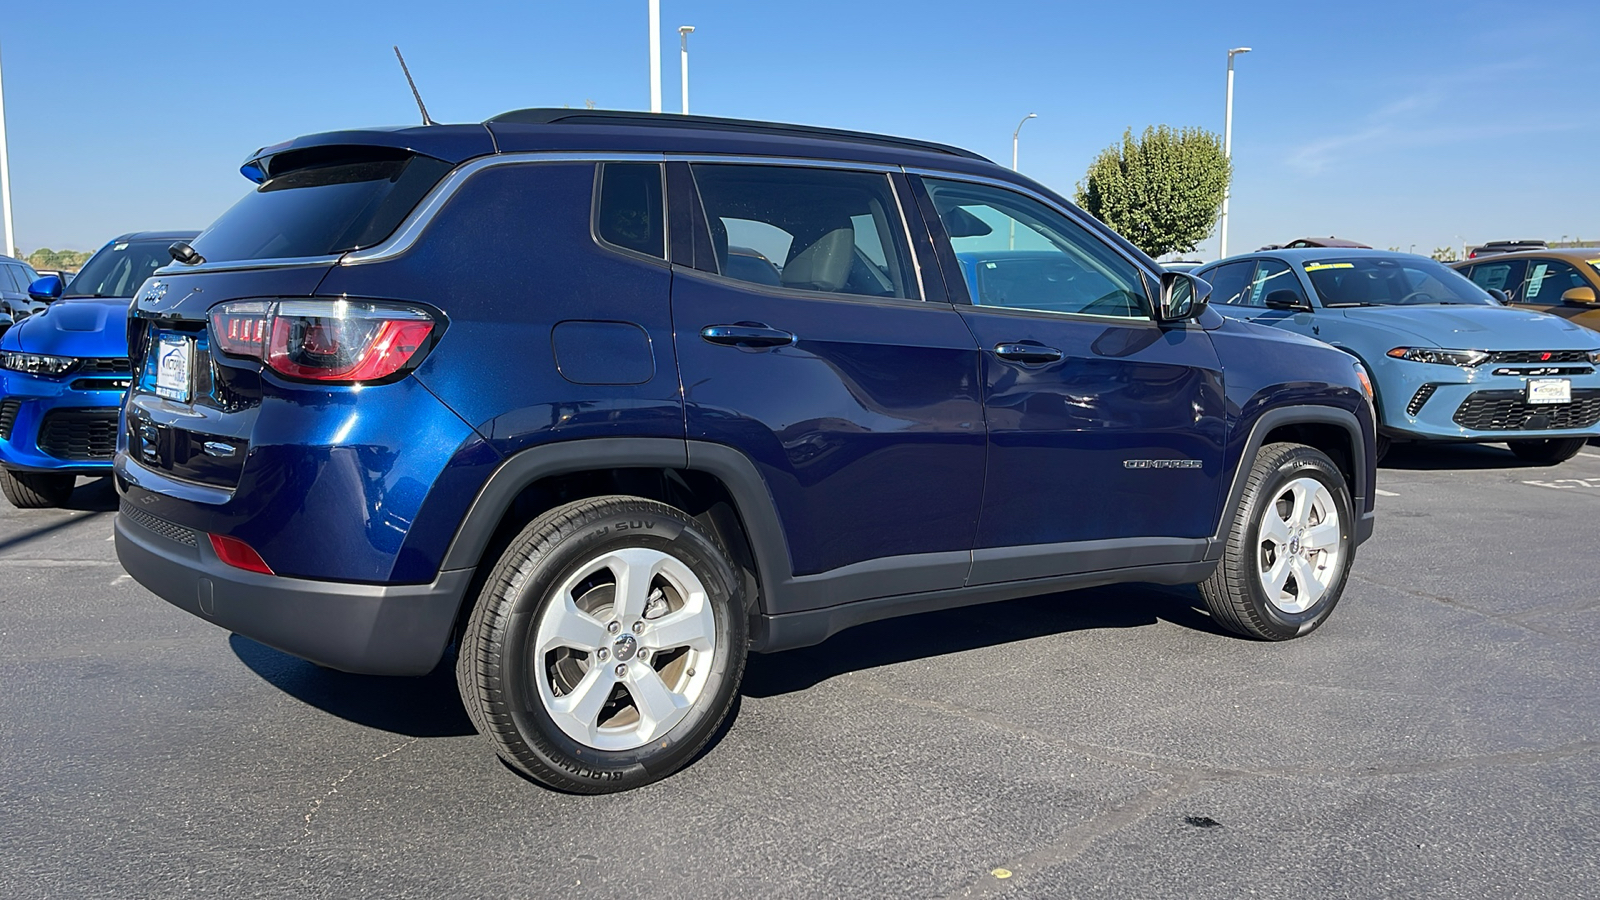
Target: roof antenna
[[425, 119]]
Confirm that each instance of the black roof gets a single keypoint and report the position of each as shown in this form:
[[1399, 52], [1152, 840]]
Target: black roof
[[546, 116]]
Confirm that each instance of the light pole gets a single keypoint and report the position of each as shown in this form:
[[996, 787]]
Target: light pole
[[5, 180], [655, 56], [1014, 134], [683, 56], [1227, 153]]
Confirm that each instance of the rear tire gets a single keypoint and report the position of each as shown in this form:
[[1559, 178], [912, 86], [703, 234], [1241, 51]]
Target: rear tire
[[1547, 452], [36, 490], [1288, 549], [606, 647]]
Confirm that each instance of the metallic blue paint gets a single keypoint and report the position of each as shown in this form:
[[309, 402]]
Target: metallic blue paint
[[83, 329]]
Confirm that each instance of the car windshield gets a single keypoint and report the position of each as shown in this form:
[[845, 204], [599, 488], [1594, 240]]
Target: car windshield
[[118, 269], [1391, 281], [1594, 264]]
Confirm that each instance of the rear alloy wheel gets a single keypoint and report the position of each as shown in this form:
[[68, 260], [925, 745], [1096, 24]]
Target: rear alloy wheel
[[607, 645], [1547, 452], [36, 490], [1289, 547]]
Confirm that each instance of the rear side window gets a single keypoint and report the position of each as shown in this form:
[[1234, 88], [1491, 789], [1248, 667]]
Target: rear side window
[[826, 230], [319, 205], [629, 212]]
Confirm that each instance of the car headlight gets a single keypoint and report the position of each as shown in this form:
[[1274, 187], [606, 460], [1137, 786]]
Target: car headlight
[[1465, 358], [1594, 356], [36, 363]]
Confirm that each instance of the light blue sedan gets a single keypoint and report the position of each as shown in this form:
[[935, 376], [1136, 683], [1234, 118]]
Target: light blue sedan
[[1450, 361]]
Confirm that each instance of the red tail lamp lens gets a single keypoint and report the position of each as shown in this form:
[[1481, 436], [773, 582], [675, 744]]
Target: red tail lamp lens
[[325, 340], [238, 554]]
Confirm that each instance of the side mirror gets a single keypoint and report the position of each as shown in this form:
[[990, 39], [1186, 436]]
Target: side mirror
[[46, 289], [1502, 296], [1286, 299], [1580, 296], [1183, 297]]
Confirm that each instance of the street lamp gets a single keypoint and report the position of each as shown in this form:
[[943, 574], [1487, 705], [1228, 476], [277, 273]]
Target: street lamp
[[5, 183], [1227, 153], [1014, 138], [683, 56], [655, 56]]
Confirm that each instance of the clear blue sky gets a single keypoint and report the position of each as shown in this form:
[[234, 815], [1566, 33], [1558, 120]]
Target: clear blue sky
[[1393, 123]]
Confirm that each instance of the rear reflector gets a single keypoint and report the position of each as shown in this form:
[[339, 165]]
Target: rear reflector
[[238, 554]]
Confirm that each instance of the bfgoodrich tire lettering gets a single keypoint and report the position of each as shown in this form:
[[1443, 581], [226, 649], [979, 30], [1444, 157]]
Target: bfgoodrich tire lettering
[[1294, 532], [575, 686]]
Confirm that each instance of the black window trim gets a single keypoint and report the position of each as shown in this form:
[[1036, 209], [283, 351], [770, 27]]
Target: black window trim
[[666, 221]]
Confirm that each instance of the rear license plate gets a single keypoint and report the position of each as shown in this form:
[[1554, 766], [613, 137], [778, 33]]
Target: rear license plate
[[174, 365], [1549, 390]]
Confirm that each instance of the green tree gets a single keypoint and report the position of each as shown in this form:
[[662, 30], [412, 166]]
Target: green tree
[[1162, 190], [1444, 254]]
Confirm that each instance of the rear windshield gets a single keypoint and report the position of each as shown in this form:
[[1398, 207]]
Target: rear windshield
[[1392, 281], [119, 268], [323, 209]]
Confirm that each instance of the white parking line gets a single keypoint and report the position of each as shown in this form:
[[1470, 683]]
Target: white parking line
[[1567, 484], [1590, 455], [1384, 493]]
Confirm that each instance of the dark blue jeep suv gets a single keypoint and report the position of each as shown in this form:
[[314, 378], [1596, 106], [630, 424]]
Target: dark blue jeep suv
[[607, 400]]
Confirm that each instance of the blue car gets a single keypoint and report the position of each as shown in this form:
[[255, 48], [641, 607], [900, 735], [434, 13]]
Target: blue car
[[606, 400], [1450, 360], [63, 372]]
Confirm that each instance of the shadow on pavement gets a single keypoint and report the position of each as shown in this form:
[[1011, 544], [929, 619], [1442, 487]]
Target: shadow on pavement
[[1425, 457], [969, 628], [415, 707], [94, 495]]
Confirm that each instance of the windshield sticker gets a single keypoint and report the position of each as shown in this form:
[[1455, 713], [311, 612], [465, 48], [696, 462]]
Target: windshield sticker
[[1595, 263], [120, 247], [1317, 267]]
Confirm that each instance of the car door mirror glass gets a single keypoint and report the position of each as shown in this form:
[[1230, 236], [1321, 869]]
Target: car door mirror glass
[[1183, 296], [1580, 296], [46, 289]]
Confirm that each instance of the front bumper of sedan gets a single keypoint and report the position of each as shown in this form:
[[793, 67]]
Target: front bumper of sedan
[[66, 424], [1489, 402]]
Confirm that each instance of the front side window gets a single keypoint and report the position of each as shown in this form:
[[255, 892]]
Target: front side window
[[1274, 277], [1230, 282], [629, 213], [805, 229], [1548, 279], [1501, 275], [1018, 253]]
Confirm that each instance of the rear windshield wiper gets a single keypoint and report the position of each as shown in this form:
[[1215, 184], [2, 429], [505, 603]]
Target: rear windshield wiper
[[181, 252]]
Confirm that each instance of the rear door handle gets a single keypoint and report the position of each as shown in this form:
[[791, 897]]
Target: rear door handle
[[746, 335], [1027, 353]]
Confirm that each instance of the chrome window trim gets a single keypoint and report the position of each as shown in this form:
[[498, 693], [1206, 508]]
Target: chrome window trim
[[1080, 219], [911, 245]]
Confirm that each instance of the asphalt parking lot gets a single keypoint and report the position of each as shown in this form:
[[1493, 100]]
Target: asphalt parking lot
[[1436, 738]]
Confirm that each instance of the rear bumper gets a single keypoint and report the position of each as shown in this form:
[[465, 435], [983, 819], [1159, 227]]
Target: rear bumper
[[364, 628]]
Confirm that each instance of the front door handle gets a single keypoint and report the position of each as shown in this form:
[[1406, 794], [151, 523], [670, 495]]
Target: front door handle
[[1027, 353], [746, 335]]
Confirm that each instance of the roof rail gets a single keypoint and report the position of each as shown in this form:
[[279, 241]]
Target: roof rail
[[545, 116]]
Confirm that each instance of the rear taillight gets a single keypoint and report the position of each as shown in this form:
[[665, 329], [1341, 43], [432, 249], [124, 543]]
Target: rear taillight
[[325, 340]]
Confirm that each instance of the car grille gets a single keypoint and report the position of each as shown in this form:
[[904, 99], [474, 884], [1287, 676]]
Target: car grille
[[107, 366], [1539, 356], [79, 435], [1510, 411], [8, 416], [1419, 398], [169, 530]]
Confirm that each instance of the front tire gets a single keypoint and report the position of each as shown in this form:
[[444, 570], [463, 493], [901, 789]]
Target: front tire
[[1289, 548], [36, 490], [1547, 452], [607, 645]]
